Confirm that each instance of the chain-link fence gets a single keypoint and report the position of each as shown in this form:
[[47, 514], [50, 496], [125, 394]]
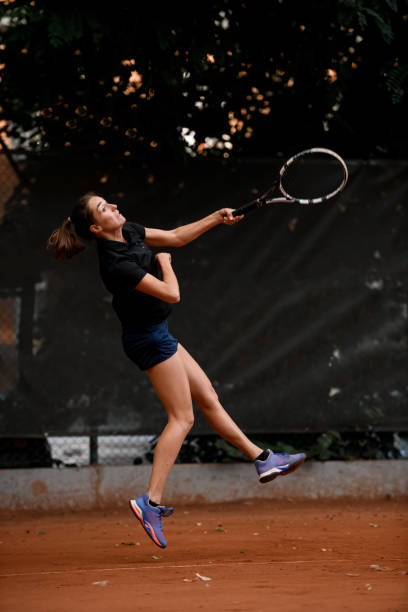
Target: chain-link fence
[[9, 317], [79, 451], [10, 301], [9, 177]]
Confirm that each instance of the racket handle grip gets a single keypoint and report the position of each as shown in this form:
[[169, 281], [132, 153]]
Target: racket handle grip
[[243, 210]]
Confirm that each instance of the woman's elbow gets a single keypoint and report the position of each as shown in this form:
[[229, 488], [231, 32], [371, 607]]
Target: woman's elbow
[[176, 239], [173, 298]]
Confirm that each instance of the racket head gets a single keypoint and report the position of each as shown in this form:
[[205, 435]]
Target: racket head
[[312, 176]]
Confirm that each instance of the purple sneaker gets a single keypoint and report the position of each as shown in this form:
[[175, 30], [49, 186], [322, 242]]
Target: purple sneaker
[[278, 464], [150, 517]]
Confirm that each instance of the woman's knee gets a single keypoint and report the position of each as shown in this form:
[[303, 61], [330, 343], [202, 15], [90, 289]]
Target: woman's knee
[[184, 422]]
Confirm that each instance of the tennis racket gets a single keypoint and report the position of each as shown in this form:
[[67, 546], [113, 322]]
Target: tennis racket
[[309, 177]]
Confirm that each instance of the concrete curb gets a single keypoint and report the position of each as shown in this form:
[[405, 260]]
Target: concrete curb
[[111, 486]]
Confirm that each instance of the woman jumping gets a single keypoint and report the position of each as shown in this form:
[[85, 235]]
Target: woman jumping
[[143, 287]]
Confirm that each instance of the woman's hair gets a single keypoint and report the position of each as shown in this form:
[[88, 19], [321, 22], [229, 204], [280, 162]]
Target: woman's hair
[[65, 241]]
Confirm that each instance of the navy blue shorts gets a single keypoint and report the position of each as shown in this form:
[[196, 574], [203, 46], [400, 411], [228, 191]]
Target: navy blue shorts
[[149, 346]]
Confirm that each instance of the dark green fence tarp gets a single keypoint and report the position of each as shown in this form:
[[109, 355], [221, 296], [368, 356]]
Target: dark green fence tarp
[[298, 314]]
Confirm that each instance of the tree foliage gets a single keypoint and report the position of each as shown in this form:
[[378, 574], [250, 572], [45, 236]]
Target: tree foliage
[[227, 78]]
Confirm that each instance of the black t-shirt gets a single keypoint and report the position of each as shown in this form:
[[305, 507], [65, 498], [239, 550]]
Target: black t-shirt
[[122, 266]]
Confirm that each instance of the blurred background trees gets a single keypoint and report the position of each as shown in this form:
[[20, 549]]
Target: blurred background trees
[[222, 78]]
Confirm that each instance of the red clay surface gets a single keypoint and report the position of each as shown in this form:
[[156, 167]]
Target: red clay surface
[[259, 556]]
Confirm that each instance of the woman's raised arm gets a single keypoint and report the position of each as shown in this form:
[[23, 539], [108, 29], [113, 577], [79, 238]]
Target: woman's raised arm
[[187, 233]]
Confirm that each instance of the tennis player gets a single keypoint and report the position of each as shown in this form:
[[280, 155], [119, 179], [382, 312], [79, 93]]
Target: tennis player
[[144, 287]]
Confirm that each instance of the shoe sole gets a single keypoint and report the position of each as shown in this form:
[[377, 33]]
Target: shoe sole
[[292, 468], [139, 515], [269, 475]]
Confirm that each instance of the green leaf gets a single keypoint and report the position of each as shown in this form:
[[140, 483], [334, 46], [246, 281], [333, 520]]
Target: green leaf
[[395, 80]]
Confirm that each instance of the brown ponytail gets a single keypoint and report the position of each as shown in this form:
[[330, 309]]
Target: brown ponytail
[[65, 241]]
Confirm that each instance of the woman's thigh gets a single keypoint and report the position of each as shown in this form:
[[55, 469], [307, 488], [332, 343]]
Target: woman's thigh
[[170, 381]]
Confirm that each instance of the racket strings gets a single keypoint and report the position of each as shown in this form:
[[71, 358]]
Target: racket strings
[[312, 176]]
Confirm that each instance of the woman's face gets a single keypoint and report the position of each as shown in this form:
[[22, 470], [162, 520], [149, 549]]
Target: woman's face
[[106, 216]]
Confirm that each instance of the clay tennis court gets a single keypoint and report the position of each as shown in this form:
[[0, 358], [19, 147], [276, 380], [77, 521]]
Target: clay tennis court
[[247, 555]]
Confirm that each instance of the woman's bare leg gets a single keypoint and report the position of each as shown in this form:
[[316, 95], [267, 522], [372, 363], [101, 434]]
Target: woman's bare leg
[[170, 381], [207, 400]]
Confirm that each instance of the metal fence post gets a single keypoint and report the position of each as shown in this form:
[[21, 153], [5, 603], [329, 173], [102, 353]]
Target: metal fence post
[[93, 450]]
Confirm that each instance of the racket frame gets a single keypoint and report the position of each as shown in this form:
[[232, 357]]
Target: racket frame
[[266, 200]]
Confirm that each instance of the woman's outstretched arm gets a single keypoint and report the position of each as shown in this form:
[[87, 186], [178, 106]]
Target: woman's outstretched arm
[[187, 233]]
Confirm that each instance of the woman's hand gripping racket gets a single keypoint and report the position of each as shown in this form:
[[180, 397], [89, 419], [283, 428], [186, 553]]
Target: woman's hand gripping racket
[[309, 177]]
